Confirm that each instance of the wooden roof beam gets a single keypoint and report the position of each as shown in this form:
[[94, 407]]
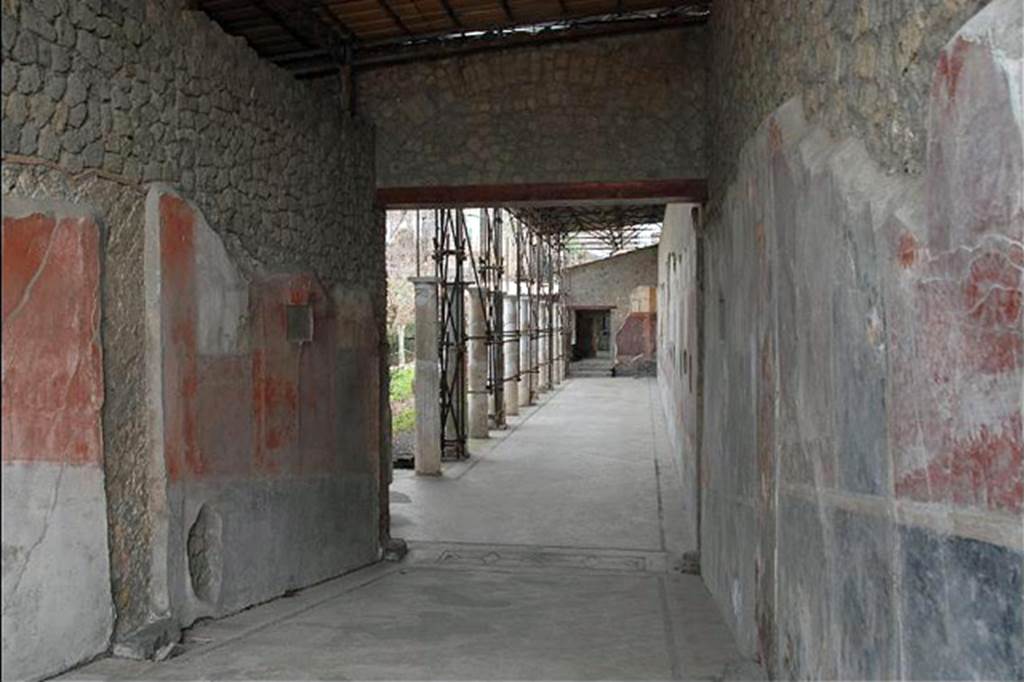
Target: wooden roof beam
[[280, 20], [451, 13], [333, 19], [390, 51], [393, 15], [507, 9]]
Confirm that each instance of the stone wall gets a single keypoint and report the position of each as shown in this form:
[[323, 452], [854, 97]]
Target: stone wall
[[861, 465], [610, 282], [265, 396], [861, 67], [102, 98], [609, 109], [678, 364]]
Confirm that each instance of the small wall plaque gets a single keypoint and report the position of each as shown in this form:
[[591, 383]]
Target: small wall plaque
[[299, 323]]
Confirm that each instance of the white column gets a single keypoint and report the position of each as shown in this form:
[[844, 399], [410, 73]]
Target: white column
[[544, 347], [427, 388], [556, 344], [477, 361], [511, 355], [564, 341], [524, 351]]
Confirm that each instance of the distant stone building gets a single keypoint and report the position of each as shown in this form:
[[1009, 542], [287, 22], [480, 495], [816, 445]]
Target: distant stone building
[[612, 308]]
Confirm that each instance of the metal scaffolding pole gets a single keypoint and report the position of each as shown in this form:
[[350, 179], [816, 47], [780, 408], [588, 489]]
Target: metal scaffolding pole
[[550, 301], [496, 317], [527, 320], [449, 262], [522, 316], [535, 333]]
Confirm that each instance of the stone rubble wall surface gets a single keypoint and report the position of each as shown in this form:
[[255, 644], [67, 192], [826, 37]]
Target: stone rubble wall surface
[[862, 475], [101, 98], [607, 109], [861, 67]]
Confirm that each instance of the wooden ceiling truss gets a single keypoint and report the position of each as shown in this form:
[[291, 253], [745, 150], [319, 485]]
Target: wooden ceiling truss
[[314, 38]]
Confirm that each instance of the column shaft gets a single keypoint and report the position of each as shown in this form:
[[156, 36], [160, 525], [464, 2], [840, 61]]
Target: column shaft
[[511, 395], [428, 379], [477, 360], [524, 351], [544, 348]]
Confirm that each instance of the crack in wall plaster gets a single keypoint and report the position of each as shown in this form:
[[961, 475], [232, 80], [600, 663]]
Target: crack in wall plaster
[[21, 570]]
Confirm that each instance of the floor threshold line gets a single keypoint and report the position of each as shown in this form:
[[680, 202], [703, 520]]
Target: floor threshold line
[[414, 544]]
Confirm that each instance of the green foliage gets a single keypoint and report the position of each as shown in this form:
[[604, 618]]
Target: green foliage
[[401, 383], [404, 420], [403, 410]]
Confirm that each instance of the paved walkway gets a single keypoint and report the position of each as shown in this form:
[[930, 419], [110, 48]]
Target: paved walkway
[[552, 553]]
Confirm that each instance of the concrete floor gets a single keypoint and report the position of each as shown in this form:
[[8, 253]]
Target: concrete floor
[[551, 554]]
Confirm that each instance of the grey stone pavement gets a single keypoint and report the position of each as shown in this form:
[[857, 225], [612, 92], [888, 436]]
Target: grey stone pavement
[[552, 553]]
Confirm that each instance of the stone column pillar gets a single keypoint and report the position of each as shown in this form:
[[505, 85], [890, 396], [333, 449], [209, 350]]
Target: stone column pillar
[[511, 355], [564, 341], [524, 351], [556, 344], [428, 379], [477, 361], [543, 347]]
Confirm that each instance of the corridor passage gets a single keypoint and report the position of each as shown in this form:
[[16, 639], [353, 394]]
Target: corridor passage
[[552, 553]]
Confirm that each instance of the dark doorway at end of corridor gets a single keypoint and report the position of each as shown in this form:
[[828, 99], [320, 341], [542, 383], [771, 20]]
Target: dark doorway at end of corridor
[[593, 333]]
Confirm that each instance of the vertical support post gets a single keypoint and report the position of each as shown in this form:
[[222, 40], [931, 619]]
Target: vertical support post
[[477, 338], [449, 259], [525, 332], [543, 350], [496, 328], [564, 341], [418, 257], [550, 252], [511, 337], [428, 379], [401, 344], [535, 321], [347, 76], [556, 343], [543, 317]]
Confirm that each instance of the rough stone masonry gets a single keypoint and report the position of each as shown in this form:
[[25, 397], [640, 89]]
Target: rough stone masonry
[[618, 108], [198, 231], [100, 100]]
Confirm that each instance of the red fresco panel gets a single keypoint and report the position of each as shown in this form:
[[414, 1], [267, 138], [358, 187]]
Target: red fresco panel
[[52, 362], [957, 349], [180, 368]]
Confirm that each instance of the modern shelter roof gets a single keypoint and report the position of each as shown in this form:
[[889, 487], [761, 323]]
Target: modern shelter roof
[[314, 37]]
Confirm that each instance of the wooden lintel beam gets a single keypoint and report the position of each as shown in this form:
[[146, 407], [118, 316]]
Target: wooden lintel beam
[[692, 190]]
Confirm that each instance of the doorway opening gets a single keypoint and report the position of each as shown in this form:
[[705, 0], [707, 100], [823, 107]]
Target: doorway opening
[[593, 334]]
